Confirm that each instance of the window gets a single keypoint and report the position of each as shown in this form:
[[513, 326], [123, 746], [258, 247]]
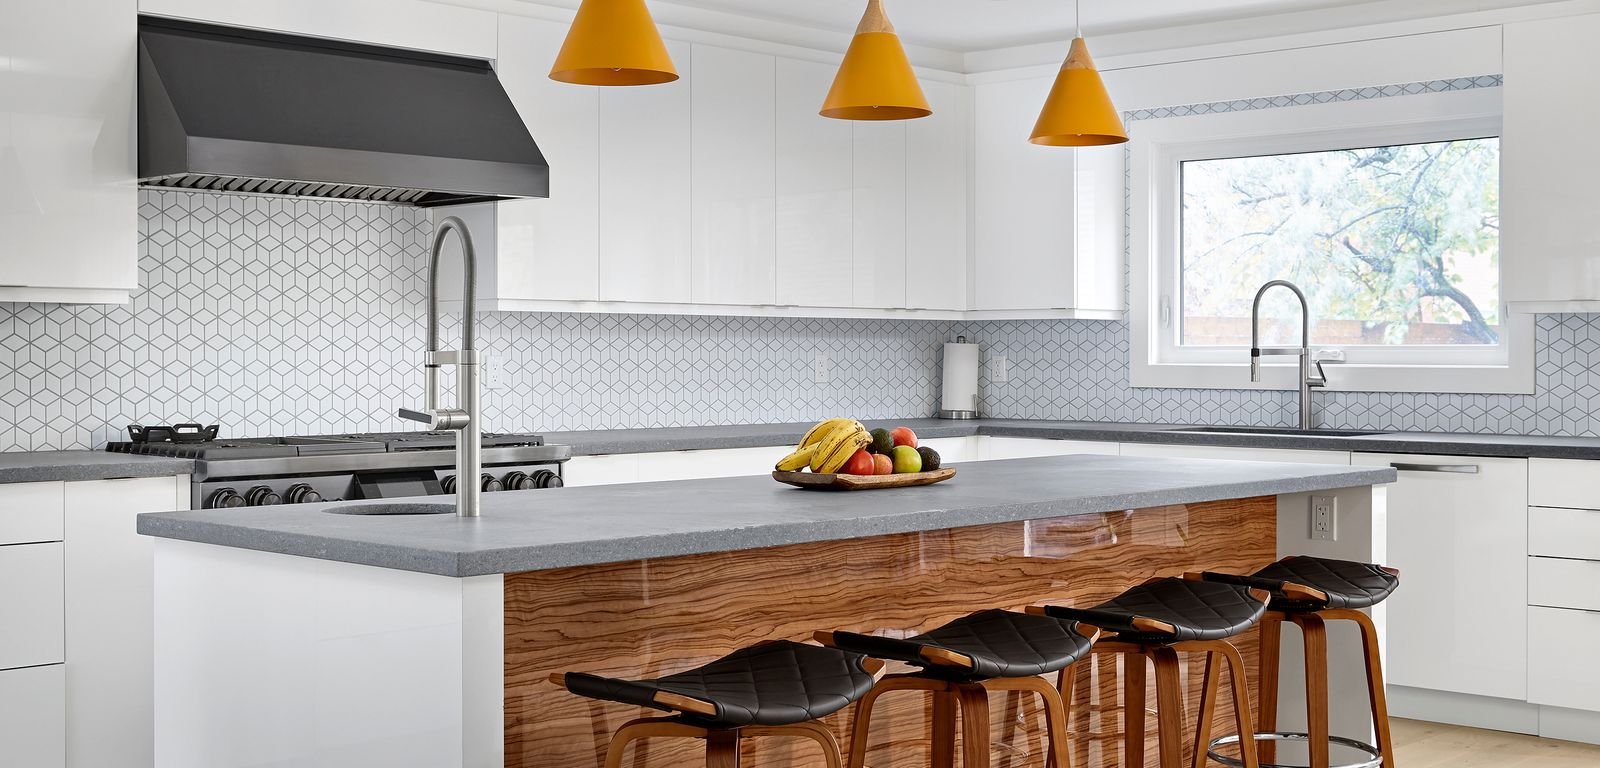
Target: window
[[1385, 212], [1393, 245]]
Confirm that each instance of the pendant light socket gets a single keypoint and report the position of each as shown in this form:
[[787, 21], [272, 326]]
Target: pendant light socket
[[613, 42], [1078, 112], [875, 81]]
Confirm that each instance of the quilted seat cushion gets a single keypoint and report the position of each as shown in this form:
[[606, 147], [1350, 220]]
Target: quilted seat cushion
[[1000, 644], [1347, 583], [1197, 610], [773, 683]]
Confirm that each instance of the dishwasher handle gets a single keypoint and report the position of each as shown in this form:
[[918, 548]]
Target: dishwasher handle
[[1454, 469]]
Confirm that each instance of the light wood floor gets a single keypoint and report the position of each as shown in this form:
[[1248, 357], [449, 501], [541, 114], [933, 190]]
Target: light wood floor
[[1432, 745]]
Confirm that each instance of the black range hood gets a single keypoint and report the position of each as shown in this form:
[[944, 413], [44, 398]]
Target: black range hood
[[232, 110]]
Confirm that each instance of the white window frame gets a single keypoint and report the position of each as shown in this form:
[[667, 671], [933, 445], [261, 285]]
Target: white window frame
[[1160, 146]]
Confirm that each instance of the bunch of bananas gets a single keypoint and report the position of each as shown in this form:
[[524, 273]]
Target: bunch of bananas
[[827, 446]]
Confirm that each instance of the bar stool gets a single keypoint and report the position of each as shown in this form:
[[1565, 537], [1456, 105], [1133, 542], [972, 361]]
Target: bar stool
[[777, 688], [1309, 591], [1156, 620], [961, 663]]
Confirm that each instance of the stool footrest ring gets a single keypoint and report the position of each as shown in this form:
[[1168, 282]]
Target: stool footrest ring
[[1234, 762]]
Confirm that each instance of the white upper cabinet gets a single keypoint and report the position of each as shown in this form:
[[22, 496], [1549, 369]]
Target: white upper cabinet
[[880, 214], [68, 203], [732, 208], [644, 188], [814, 181], [1049, 219], [937, 242], [549, 249], [422, 26], [1550, 253]]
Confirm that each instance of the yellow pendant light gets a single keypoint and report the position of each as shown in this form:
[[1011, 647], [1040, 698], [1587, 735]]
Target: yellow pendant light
[[1078, 112], [875, 81], [613, 42]]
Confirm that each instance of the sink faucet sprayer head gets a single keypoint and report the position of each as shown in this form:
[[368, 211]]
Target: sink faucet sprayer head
[[1255, 364]]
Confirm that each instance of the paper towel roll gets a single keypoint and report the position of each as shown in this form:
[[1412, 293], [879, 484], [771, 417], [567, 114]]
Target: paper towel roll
[[959, 395]]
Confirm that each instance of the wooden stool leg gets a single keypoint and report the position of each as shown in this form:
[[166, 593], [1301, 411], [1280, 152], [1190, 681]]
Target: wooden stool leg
[[1208, 706], [1271, 634], [1170, 718], [1055, 713], [1375, 694], [722, 749], [974, 725], [944, 729], [862, 727], [1316, 642], [1240, 683], [644, 728], [1133, 681], [812, 730]]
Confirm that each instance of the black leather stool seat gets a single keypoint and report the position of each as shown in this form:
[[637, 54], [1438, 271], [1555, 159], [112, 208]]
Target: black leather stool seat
[[1348, 584], [773, 683], [999, 643], [1194, 609]]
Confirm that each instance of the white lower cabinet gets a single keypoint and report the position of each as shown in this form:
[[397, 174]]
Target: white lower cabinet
[[987, 448], [1287, 455], [1458, 532], [33, 717], [32, 629], [1561, 667]]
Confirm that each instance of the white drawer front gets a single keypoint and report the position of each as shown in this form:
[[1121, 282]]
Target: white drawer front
[[1564, 483], [1561, 650], [30, 512], [1557, 583], [1554, 532], [31, 602], [33, 717]]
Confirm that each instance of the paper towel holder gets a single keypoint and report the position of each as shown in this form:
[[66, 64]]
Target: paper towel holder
[[946, 412]]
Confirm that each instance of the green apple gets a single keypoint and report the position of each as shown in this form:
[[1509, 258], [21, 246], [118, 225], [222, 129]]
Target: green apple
[[906, 460]]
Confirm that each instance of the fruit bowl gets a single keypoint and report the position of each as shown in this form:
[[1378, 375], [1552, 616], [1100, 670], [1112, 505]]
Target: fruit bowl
[[843, 482]]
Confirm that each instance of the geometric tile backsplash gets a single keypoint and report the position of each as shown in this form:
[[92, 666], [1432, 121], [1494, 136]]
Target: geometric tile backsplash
[[279, 316]]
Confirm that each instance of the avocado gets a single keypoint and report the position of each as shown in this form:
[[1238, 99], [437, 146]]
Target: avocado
[[930, 458], [882, 442]]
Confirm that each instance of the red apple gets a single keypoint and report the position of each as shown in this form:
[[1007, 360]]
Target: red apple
[[903, 436], [860, 463], [883, 465]]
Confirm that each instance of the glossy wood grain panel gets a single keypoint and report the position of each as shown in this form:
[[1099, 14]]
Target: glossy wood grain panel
[[650, 618]]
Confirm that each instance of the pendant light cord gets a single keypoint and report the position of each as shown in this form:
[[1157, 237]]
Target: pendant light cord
[[1077, 17]]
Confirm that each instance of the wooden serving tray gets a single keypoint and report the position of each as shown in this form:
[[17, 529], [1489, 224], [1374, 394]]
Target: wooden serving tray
[[841, 482]]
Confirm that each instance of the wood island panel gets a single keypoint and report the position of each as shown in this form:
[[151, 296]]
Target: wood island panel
[[650, 618]]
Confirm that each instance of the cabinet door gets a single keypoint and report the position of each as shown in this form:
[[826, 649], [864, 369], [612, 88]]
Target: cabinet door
[[880, 214], [733, 213], [938, 151], [550, 248], [1460, 540], [30, 600], [644, 188], [68, 204], [33, 717], [1287, 455], [110, 606], [1025, 207], [30, 513], [601, 470], [1545, 186], [814, 191]]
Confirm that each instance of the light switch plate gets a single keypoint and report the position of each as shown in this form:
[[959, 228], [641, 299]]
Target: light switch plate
[[1324, 518]]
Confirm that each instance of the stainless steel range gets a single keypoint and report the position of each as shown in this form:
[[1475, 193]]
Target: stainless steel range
[[253, 472]]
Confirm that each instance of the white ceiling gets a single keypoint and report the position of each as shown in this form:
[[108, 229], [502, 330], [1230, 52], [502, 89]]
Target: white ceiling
[[967, 25]]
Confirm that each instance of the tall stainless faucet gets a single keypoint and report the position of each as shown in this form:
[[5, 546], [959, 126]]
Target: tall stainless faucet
[[463, 419], [1307, 380]]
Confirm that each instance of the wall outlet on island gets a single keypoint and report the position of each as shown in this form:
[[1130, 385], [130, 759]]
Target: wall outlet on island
[[819, 374], [1324, 519]]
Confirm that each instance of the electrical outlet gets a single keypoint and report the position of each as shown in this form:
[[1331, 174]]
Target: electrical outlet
[[999, 369], [489, 372], [820, 374], [1324, 519]]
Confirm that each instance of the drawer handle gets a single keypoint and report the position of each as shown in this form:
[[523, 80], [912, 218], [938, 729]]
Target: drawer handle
[[1455, 469]]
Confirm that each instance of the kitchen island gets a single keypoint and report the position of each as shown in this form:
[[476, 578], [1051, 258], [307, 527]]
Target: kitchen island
[[297, 636]]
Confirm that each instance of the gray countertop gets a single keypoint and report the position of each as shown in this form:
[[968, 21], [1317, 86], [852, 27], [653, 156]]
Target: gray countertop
[[757, 435], [555, 528], [40, 466]]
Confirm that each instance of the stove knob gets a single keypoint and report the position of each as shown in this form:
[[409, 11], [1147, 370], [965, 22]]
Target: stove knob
[[300, 493], [518, 481], [448, 484], [545, 478], [489, 483], [224, 498], [262, 496]]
